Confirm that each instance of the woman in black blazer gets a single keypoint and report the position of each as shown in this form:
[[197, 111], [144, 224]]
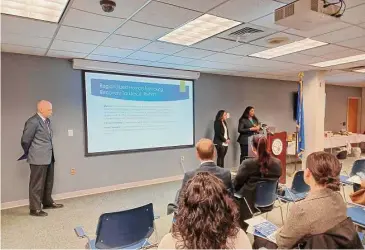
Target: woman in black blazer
[[221, 136], [251, 171], [248, 125]]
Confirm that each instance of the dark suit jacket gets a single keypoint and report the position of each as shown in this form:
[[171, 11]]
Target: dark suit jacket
[[211, 167], [219, 132], [249, 174], [244, 126], [37, 141]]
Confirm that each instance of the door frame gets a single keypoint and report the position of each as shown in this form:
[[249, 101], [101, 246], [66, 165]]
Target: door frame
[[358, 128]]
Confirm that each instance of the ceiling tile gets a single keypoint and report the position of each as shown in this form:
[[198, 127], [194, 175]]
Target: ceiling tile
[[65, 54], [198, 5], [320, 30], [354, 43], [165, 15], [216, 44], [194, 53], [299, 58], [341, 54], [268, 22], [135, 62], [247, 10], [23, 40], [226, 58], [323, 50], [82, 19], [146, 56], [265, 41], [124, 8], [140, 30], [22, 50], [176, 60], [245, 49], [354, 15], [125, 42], [27, 26], [212, 65], [341, 35], [163, 48], [103, 58], [80, 35], [72, 46], [258, 62], [113, 52]]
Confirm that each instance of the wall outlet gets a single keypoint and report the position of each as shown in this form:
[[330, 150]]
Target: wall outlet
[[73, 171]]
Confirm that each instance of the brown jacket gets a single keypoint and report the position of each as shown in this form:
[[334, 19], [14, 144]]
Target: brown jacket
[[321, 211]]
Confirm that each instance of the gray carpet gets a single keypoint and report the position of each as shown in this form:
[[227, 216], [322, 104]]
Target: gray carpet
[[19, 230]]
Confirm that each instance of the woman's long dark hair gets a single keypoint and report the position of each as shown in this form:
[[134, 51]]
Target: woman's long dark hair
[[219, 115], [246, 115], [259, 142], [207, 215]]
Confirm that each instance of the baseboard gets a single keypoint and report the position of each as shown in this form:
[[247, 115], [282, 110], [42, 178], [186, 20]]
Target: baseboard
[[68, 195]]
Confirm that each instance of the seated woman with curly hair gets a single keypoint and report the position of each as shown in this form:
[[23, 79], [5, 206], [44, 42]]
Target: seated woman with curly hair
[[207, 218]]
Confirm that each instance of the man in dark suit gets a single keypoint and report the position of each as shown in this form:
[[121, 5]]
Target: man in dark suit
[[205, 153], [37, 145]]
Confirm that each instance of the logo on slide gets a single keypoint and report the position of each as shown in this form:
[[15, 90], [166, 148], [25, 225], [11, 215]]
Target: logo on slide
[[139, 91]]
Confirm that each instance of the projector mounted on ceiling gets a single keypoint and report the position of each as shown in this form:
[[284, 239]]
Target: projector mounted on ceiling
[[307, 14]]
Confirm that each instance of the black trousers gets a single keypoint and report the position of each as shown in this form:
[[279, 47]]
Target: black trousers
[[40, 186], [244, 152], [221, 153]]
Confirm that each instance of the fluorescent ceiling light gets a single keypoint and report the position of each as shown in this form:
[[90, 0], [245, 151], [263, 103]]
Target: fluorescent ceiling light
[[289, 48], [46, 10], [360, 70], [348, 59], [199, 29]]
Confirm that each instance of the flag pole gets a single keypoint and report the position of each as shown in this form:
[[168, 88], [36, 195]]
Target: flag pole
[[300, 75]]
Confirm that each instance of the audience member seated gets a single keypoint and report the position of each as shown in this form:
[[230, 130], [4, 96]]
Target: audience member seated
[[251, 171], [320, 220], [206, 219], [205, 152]]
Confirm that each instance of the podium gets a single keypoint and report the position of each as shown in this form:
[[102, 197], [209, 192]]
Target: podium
[[276, 145]]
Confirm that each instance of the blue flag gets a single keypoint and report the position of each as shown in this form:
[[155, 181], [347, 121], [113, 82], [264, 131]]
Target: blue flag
[[300, 121]]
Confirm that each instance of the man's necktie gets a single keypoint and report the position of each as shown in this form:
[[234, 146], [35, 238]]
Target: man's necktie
[[48, 122]]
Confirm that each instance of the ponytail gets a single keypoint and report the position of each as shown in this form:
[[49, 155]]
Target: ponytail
[[264, 157]]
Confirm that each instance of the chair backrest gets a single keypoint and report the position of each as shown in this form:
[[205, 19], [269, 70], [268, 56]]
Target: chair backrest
[[124, 228], [266, 193], [298, 185], [359, 166]]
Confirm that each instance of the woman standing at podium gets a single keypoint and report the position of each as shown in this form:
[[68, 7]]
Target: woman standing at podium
[[221, 136], [248, 125]]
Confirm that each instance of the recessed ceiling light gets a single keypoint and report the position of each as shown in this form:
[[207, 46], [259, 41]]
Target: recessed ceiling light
[[348, 59], [46, 10], [289, 48], [360, 70], [199, 29]]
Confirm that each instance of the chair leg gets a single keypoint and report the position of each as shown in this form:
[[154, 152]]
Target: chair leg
[[282, 217], [344, 193], [267, 214]]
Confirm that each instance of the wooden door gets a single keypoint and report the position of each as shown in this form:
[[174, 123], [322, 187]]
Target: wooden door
[[353, 114]]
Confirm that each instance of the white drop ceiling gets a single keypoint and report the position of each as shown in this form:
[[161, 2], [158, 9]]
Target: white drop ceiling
[[130, 33]]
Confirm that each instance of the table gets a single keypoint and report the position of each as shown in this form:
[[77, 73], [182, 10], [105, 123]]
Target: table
[[332, 142]]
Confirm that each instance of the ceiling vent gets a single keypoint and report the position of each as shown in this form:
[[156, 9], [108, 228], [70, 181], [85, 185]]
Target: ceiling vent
[[245, 33]]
